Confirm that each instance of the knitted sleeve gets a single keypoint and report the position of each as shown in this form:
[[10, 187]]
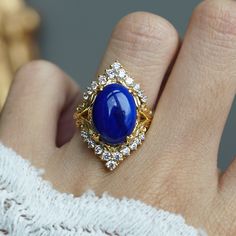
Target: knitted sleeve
[[30, 206]]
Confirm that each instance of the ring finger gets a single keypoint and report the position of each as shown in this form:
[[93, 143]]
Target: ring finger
[[146, 45]]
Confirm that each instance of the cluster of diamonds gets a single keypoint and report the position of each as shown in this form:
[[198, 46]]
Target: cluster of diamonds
[[114, 155], [116, 73], [112, 158]]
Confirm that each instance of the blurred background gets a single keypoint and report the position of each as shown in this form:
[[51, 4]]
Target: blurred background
[[73, 34]]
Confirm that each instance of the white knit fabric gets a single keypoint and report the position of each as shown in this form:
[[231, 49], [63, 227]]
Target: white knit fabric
[[30, 206]]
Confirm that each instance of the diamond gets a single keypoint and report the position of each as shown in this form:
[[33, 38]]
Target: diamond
[[111, 165], [110, 73], [94, 85], [144, 99], [91, 143], [125, 151], [85, 96], [106, 156], [140, 93], [117, 156], [102, 79], [89, 90], [84, 134], [133, 146], [129, 81], [122, 73], [142, 136], [116, 66], [98, 150], [137, 140], [137, 87]]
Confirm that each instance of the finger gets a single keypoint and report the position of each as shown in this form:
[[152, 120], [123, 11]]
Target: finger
[[40, 92], [145, 44], [199, 93]]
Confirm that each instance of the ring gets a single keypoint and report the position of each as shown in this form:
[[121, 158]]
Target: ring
[[113, 117]]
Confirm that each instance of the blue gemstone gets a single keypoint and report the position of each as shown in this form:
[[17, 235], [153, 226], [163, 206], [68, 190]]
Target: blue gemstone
[[114, 114]]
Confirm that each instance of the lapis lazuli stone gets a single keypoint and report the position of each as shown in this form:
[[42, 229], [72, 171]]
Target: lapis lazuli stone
[[114, 114]]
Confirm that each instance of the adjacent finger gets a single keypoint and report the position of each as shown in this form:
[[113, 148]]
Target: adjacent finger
[[196, 101], [39, 94]]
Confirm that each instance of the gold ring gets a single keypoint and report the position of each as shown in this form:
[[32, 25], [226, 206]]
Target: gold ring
[[113, 117]]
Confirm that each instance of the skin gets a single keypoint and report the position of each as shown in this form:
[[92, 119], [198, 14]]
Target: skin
[[176, 167]]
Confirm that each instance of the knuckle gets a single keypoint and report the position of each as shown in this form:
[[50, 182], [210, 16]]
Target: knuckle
[[142, 31], [212, 39], [218, 17], [38, 73]]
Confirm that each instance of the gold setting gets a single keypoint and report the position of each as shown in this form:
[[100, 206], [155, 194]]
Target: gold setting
[[113, 155]]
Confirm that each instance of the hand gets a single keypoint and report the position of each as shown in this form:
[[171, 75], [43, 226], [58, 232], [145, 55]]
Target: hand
[[176, 168]]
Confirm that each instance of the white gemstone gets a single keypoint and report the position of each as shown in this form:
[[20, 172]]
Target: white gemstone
[[133, 146], [111, 165], [144, 99], [117, 156], [89, 90], [94, 85], [116, 66], [110, 73], [102, 79], [137, 140], [140, 93], [142, 96], [106, 156], [125, 151], [129, 81], [84, 134], [91, 143], [122, 73], [85, 96], [137, 87], [98, 150], [142, 136]]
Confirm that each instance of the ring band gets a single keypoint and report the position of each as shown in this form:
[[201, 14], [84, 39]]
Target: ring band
[[113, 117]]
